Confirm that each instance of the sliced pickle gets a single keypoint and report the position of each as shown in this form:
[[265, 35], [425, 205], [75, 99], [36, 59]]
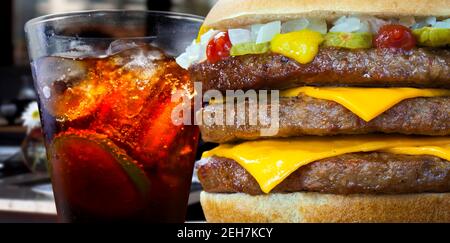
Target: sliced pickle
[[249, 48], [433, 37], [348, 40]]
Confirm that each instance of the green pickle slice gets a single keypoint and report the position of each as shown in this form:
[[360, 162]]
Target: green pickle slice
[[433, 37], [249, 48], [348, 40]]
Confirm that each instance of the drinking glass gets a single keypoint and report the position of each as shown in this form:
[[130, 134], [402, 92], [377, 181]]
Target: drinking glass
[[105, 81]]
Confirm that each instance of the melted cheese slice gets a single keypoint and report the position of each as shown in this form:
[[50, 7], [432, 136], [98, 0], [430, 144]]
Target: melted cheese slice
[[367, 103], [441, 151], [271, 161]]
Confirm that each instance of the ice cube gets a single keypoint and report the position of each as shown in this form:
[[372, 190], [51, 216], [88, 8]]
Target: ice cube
[[142, 61], [139, 56], [136, 104], [135, 75], [141, 68], [64, 88], [51, 69], [76, 49], [120, 45]]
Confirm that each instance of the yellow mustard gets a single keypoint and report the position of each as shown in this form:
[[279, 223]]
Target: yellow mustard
[[203, 29], [301, 46]]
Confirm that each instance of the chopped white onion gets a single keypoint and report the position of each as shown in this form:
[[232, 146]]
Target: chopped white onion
[[238, 36], [419, 25], [294, 25], [319, 25], [430, 21], [255, 30], [194, 53], [194, 50], [353, 24], [206, 37], [374, 23], [340, 20], [268, 31], [442, 25], [364, 27], [350, 24], [183, 60], [407, 21], [344, 24]]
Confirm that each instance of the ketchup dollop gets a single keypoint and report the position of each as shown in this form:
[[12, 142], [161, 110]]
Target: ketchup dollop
[[394, 36], [218, 47]]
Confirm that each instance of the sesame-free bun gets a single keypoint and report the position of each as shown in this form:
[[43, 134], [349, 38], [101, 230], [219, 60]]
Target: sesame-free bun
[[309, 207], [236, 13]]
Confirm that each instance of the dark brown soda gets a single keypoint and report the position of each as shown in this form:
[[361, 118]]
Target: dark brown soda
[[114, 152]]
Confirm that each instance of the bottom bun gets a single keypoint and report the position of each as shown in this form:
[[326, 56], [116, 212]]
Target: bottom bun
[[309, 207]]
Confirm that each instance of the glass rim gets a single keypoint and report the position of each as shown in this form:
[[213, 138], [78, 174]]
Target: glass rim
[[52, 17]]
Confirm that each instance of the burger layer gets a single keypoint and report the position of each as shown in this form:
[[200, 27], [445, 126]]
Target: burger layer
[[419, 67], [312, 207], [355, 173], [304, 115]]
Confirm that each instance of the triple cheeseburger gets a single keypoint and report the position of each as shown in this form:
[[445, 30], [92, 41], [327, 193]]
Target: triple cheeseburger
[[364, 112]]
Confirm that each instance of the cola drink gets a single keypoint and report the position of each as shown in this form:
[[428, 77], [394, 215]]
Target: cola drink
[[114, 152]]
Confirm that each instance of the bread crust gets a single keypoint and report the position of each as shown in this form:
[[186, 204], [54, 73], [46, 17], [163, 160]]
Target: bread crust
[[235, 13], [308, 207]]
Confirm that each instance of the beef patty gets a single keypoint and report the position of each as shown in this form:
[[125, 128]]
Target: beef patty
[[368, 173], [304, 115], [420, 67]]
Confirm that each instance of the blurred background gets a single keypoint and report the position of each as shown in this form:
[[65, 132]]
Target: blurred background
[[24, 188]]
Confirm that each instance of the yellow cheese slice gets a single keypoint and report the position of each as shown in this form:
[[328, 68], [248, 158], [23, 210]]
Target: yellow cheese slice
[[438, 151], [271, 161], [367, 103]]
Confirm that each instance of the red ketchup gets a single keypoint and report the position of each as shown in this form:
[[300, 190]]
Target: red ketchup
[[218, 47], [394, 36]]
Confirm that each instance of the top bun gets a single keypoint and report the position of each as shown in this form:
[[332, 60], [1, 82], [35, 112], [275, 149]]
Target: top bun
[[237, 13]]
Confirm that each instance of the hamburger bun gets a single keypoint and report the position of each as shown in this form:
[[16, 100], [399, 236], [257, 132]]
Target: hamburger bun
[[310, 207], [234, 13]]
